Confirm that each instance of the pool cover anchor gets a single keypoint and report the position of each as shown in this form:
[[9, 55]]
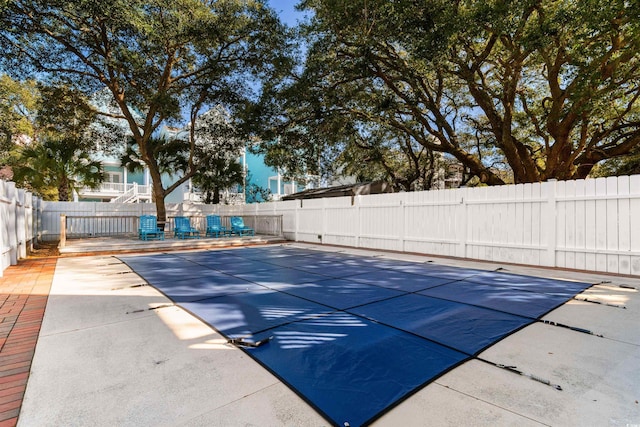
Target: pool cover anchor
[[599, 302], [241, 342], [572, 328], [120, 272], [524, 374], [139, 285]]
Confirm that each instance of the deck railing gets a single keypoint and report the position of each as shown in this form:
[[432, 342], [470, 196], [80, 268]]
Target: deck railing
[[110, 189], [85, 226], [268, 225]]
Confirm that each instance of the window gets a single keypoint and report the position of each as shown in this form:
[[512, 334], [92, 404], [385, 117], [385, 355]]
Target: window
[[113, 177]]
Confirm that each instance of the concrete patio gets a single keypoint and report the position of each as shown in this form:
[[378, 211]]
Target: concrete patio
[[112, 351]]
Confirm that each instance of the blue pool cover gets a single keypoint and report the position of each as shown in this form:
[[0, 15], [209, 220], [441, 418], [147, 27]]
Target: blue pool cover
[[353, 336]]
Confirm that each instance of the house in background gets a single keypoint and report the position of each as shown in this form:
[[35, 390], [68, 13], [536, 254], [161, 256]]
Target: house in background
[[119, 186], [258, 176], [122, 186], [270, 179]]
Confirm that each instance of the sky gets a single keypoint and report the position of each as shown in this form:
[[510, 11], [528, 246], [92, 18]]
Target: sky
[[286, 10]]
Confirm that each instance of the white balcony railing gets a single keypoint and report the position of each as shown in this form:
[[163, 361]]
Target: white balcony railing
[[133, 194], [118, 191]]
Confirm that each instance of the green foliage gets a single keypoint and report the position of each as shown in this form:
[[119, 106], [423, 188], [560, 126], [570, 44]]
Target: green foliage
[[217, 175], [218, 145], [17, 111], [158, 59], [625, 165], [55, 168], [171, 155], [255, 193], [395, 158], [62, 110], [524, 90]]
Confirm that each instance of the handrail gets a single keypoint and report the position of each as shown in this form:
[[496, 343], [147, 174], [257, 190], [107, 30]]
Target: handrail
[[132, 193], [78, 226], [124, 192], [63, 230]]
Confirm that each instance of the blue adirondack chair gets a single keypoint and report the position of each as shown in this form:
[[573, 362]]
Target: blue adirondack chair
[[149, 228], [184, 230], [215, 227], [238, 227]]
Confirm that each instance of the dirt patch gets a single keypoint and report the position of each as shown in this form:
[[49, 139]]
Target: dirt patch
[[44, 249]]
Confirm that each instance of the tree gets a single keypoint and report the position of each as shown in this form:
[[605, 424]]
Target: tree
[[56, 167], [64, 111], [627, 165], [218, 146], [255, 193], [35, 119], [158, 59], [557, 83], [395, 158], [220, 173], [17, 111], [547, 88]]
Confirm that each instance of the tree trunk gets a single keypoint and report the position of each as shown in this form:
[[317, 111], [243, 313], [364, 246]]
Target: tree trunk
[[63, 189], [158, 194], [216, 195]]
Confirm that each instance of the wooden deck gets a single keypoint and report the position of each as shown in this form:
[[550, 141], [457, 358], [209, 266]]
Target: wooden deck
[[108, 245]]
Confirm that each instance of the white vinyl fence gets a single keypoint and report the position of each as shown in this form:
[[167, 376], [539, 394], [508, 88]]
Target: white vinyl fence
[[19, 221], [93, 219], [591, 224]]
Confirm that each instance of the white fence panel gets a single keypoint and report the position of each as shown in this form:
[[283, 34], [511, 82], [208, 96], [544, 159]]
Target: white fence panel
[[6, 227], [595, 228], [310, 223], [634, 215], [585, 224], [16, 224]]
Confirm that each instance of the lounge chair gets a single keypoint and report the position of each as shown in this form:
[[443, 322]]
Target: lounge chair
[[149, 228], [215, 227], [184, 230], [238, 227]]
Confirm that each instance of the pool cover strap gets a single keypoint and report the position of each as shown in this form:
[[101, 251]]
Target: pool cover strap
[[515, 370], [244, 343]]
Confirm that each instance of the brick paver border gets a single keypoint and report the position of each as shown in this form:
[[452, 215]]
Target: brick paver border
[[24, 290]]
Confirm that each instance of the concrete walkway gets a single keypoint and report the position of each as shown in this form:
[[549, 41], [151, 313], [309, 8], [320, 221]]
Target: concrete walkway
[[112, 351]]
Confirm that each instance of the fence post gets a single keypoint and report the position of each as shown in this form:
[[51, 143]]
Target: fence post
[[29, 221], [551, 221], [356, 201], [13, 236], [4, 226], [463, 221], [21, 223], [38, 222], [296, 219], [63, 230], [403, 222]]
